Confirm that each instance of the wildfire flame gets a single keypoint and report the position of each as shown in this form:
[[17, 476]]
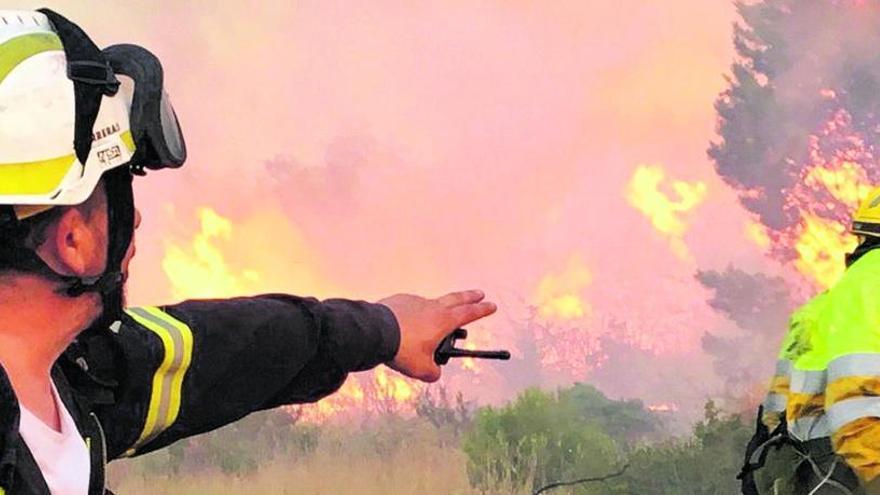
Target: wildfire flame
[[393, 387], [378, 391], [825, 198], [559, 294], [667, 215], [226, 258], [820, 247], [663, 407], [202, 271], [470, 364], [757, 233], [847, 182]]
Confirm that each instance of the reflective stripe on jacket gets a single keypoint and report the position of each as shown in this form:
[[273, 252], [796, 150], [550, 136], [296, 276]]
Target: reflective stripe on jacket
[[167, 373], [849, 339], [796, 389]]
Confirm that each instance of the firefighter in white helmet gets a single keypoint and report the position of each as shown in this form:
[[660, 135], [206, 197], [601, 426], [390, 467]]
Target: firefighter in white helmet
[[83, 380]]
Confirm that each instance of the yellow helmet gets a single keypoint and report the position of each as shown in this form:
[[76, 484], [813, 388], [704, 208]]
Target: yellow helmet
[[867, 218]]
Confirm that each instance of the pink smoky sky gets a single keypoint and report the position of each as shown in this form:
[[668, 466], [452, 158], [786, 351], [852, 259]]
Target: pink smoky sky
[[367, 148]]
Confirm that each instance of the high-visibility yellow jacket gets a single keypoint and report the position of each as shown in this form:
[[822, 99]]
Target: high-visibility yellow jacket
[[848, 344]]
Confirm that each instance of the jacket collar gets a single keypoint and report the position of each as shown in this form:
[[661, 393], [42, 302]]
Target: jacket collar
[[77, 387]]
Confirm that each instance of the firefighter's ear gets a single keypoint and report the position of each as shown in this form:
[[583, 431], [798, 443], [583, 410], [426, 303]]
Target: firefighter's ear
[[76, 242]]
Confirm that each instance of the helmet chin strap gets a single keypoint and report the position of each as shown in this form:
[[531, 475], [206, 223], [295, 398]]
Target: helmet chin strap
[[120, 230], [869, 244]]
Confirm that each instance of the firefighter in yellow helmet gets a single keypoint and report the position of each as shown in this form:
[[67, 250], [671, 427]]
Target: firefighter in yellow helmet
[[831, 427]]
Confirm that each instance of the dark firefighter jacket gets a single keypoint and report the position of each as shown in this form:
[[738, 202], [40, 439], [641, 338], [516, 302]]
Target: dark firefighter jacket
[[163, 374]]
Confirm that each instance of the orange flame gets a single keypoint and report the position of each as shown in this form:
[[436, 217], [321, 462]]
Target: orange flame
[[470, 364], [667, 215], [202, 271], [663, 407], [393, 387], [559, 294], [847, 182], [820, 248], [226, 259], [824, 199], [757, 233]]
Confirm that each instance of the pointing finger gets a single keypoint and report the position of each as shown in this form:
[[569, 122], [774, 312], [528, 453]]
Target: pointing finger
[[454, 299], [464, 314]]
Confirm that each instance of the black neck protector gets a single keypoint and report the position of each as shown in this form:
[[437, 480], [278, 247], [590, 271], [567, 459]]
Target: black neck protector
[[870, 243]]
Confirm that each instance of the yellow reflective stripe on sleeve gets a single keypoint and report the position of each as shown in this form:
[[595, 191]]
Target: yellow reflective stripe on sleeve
[[21, 48], [167, 386]]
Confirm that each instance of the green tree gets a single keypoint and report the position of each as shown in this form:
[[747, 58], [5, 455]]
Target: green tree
[[706, 464], [544, 437]]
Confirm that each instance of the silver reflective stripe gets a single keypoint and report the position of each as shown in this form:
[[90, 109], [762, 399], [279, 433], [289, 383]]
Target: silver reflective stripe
[[866, 364], [783, 367], [807, 382], [810, 428], [850, 410], [167, 384], [775, 403]]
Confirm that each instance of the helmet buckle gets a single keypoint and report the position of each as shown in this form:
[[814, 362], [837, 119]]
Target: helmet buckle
[[94, 73]]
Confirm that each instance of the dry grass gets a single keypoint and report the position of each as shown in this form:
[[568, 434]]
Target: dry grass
[[339, 465], [442, 473]]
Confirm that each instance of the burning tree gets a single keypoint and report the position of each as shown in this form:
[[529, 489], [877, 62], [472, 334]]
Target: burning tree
[[799, 124], [799, 127]]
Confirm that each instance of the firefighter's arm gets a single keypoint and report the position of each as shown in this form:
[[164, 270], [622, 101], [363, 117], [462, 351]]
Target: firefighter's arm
[[198, 365]]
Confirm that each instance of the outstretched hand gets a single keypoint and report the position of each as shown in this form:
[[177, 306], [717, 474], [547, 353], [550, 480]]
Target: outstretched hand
[[424, 323]]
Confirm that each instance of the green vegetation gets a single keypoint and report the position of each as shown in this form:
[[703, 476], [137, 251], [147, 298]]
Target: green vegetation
[[448, 448], [543, 437], [705, 464]]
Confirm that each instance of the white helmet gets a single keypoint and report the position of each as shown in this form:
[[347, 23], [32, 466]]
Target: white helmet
[[66, 122], [38, 163]]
